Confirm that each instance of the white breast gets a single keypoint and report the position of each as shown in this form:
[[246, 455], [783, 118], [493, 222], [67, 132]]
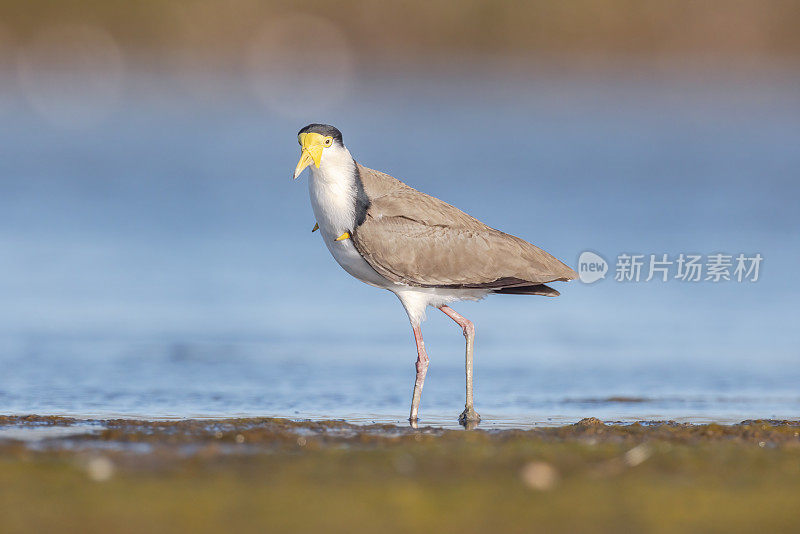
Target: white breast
[[333, 201]]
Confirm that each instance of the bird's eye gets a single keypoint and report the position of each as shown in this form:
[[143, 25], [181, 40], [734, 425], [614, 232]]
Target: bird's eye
[[328, 141]]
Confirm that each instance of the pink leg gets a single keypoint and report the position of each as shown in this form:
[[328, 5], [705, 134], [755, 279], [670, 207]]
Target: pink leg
[[422, 370], [468, 417]]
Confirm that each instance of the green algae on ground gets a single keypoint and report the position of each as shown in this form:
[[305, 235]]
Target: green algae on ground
[[276, 475]]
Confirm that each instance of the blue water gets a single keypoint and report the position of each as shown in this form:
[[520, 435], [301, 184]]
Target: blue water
[[161, 262]]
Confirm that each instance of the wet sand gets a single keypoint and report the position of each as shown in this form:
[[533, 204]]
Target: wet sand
[[276, 475]]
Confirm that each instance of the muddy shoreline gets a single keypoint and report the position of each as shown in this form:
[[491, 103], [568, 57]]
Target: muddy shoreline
[[271, 432], [278, 475]]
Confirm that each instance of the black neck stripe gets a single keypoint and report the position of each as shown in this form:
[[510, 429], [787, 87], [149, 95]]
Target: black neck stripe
[[362, 200]]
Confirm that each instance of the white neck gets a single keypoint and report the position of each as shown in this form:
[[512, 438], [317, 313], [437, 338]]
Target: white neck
[[332, 188]]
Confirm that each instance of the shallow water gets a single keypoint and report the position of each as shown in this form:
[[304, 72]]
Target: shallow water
[[161, 264], [207, 381]]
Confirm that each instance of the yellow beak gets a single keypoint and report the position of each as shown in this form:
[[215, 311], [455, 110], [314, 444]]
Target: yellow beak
[[312, 145]]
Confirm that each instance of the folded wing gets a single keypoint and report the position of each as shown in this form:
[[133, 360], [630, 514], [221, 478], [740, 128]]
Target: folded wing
[[419, 240]]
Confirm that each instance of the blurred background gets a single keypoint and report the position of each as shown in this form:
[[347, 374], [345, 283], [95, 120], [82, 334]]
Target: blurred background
[[156, 259]]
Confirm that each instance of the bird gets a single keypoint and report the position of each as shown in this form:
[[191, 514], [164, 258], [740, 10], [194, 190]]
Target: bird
[[425, 251]]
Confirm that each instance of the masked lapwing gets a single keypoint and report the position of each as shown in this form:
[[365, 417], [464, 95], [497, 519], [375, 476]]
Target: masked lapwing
[[423, 250]]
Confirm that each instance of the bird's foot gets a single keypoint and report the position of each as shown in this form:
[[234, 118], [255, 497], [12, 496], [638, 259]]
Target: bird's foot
[[413, 422], [469, 418]]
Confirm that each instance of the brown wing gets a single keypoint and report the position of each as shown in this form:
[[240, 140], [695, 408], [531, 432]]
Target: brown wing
[[416, 239]]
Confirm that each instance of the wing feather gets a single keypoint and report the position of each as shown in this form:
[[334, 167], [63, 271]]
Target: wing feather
[[416, 239]]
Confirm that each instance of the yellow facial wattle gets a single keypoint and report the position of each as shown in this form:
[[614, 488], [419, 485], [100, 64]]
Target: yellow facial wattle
[[311, 144]]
